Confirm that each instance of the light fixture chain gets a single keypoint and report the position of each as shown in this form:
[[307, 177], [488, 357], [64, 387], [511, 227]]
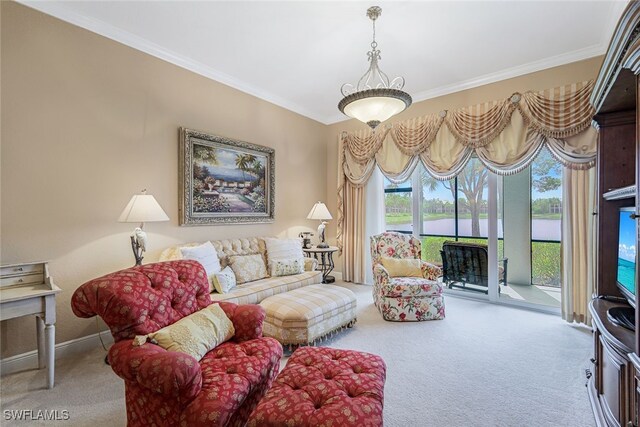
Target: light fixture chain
[[374, 86], [374, 45]]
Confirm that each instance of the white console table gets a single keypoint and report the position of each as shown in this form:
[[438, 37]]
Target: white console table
[[27, 289]]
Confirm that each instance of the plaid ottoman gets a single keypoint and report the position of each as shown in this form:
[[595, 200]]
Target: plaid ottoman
[[307, 314], [325, 386]]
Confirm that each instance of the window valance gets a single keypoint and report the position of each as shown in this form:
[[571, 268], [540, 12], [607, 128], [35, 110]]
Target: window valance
[[505, 142], [505, 135]]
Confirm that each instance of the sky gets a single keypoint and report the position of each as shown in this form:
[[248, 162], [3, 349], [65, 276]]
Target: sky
[[627, 248], [227, 158]]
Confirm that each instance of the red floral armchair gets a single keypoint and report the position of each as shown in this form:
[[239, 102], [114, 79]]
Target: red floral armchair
[[165, 388], [403, 299]]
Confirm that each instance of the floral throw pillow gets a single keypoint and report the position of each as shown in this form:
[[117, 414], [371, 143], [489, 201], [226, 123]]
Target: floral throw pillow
[[248, 268], [287, 267], [195, 334], [224, 281]]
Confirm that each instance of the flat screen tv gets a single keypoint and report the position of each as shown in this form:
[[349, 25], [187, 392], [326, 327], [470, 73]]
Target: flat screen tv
[[627, 269], [626, 277]]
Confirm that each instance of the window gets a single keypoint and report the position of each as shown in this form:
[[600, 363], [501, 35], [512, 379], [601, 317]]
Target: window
[[472, 200], [448, 210], [438, 205], [398, 202], [546, 212]]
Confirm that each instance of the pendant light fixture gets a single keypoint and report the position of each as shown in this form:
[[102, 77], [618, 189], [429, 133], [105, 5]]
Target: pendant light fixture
[[374, 99]]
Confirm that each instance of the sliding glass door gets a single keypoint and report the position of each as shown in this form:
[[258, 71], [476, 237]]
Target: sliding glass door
[[516, 218]]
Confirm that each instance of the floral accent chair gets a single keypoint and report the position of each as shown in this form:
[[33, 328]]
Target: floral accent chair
[[167, 388], [403, 299]]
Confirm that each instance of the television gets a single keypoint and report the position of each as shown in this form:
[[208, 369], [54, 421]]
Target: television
[[626, 271]]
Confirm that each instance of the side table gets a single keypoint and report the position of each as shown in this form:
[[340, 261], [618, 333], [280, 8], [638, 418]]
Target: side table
[[27, 289], [324, 256]]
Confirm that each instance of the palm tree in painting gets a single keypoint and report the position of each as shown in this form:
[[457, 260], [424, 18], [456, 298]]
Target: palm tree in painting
[[205, 154], [244, 162], [241, 163], [257, 169]]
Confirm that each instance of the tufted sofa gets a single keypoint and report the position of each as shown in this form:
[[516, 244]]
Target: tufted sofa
[[165, 388], [251, 292]]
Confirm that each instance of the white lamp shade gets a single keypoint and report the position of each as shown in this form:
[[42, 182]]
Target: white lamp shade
[[378, 108], [143, 208], [319, 211]]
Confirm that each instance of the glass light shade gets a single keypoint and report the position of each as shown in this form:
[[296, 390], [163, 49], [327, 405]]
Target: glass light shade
[[143, 208], [319, 211], [374, 106]]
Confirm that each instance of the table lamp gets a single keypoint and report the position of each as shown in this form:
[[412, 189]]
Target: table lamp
[[319, 211], [141, 208]]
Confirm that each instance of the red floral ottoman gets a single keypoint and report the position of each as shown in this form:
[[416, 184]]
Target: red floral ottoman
[[323, 385]]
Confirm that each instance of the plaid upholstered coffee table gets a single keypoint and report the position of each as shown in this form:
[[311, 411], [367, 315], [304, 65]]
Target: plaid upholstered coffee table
[[305, 315], [325, 386]]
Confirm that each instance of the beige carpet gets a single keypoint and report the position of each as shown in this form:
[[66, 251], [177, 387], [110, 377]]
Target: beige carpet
[[484, 365]]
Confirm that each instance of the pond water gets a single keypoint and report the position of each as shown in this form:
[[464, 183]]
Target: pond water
[[541, 229]]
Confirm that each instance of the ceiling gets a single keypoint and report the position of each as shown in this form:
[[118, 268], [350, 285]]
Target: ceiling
[[298, 54]]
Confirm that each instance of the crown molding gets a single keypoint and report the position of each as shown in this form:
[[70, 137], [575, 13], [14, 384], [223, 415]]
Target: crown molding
[[104, 29], [109, 31], [520, 70]]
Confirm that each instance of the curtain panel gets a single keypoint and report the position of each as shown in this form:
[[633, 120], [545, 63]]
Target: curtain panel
[[578, 244], [505, 135]]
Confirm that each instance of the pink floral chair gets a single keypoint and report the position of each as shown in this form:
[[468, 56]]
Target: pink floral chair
[[403, 299]]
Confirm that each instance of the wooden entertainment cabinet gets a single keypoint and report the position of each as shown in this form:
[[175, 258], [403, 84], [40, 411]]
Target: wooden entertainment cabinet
[[614, 388]]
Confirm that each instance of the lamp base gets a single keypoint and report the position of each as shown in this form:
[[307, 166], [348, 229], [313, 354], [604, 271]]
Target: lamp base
[[137, 251], [322, 245]]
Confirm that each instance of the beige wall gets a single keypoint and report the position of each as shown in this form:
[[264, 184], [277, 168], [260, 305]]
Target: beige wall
[[552, 77], [86, 123]]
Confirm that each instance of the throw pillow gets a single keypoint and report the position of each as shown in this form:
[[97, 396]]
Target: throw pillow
[[248, 268], [224, 280], [283, 249], [287, 267], [206, 255], [402, 267], [195, 334]]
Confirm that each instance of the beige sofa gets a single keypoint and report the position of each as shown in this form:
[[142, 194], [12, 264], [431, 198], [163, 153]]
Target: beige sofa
[[256, 291]]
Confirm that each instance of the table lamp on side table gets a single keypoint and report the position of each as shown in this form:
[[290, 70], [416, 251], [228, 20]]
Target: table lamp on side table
[[319, 211], [141, 208]]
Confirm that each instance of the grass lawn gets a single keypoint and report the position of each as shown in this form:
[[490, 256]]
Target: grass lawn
[[399, 218], [547, 216]]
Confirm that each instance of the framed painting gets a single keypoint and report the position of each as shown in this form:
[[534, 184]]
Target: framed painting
[[224, 181]]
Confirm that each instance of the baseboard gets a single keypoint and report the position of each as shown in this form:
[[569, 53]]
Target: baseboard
[[337, 275], [29, 360]]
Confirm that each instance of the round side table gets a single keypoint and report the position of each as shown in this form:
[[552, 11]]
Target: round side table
[[324, 256]]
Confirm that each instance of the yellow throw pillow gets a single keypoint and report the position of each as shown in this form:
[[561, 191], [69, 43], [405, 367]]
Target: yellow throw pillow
[[195, 334], [402, 267], [248, 268]]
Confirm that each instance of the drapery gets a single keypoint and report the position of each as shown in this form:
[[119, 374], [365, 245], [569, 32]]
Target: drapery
[[352, 217], [578, 239], [505, 135]]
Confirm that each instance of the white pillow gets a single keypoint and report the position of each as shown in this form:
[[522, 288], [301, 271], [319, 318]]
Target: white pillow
[[283, 249], [224, 280], [206, 255]]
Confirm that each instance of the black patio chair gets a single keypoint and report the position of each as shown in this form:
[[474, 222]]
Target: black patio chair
[[467, 264]]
